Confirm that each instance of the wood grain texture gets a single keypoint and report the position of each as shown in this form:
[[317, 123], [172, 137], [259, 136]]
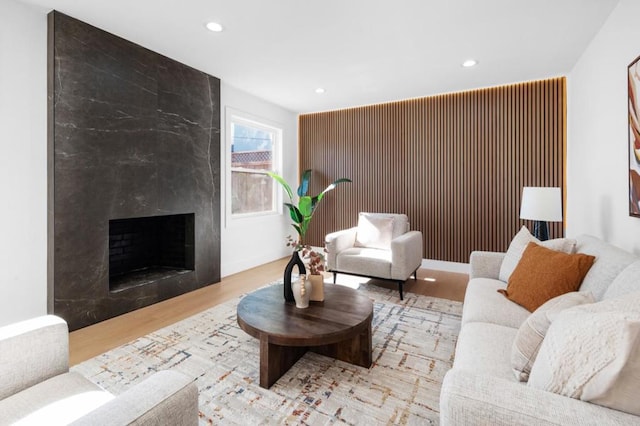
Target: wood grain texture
[[455, 164], [339, 327]]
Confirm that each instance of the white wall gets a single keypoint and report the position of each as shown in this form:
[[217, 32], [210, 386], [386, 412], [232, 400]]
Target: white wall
[[23, 167], [250, 242], [597, 153]]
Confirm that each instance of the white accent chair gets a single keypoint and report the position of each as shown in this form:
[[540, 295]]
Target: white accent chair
[[381, 246], [37, 388]]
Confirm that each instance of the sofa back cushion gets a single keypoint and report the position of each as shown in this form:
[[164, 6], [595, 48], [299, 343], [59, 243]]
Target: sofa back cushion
[[626, 282], [610, 261], [519, 243]]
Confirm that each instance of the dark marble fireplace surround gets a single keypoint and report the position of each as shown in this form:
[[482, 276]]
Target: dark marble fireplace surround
[[133, 138]]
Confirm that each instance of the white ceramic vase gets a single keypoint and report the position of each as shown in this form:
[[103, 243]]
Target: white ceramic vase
[[301, 292]]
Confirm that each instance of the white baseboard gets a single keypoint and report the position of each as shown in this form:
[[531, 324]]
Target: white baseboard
[[441, 265]]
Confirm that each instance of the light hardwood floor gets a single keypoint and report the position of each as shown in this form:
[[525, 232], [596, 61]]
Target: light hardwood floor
[[98, 338]]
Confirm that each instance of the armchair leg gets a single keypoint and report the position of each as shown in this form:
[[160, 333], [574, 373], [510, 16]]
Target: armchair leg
[[400, 283], [335, 274], [415, 275]]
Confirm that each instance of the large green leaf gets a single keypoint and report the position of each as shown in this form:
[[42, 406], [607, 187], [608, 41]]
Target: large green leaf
[[320, 196], [304, 183], [305, 206], [294, 212], [282, 182]]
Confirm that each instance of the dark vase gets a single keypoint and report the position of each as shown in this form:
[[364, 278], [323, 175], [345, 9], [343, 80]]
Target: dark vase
[[295, 261]]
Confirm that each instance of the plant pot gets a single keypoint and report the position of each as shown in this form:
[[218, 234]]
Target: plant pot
[[317, 287], [288, 270]]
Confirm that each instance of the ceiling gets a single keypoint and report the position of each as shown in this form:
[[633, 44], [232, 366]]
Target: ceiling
[[360, 51]]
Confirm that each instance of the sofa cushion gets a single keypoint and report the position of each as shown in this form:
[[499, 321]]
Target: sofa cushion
[[519, 243], [358, 259], [483, 303], [626, 282], [65, 398], [374, 231], [610, 261], [532, 331], [592, 355], [484, 348], [543, 274]]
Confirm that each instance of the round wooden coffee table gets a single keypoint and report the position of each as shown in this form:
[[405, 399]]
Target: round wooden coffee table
[[339, 327]]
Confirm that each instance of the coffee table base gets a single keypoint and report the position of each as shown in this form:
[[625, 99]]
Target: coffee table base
[[276, 360]]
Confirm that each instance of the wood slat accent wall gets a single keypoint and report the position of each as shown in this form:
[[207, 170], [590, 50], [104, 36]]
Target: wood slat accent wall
[[454, 163]]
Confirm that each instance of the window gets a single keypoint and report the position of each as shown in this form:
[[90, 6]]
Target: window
[[253, 147]]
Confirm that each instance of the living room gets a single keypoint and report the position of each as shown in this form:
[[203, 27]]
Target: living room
[[596, 182]]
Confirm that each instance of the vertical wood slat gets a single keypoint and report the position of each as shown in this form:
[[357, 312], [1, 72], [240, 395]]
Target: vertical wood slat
[[454, 163]]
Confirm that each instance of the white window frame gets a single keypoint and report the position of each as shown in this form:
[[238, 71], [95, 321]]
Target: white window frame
[[235, 116]]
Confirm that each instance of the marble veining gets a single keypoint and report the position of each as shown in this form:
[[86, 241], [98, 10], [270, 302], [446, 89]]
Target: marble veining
[[132, 134]]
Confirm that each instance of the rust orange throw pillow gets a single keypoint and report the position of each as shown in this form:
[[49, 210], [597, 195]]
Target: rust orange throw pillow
[[543, 274]]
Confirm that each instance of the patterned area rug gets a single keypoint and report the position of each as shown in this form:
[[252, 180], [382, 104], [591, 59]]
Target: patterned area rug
[[413, 347]]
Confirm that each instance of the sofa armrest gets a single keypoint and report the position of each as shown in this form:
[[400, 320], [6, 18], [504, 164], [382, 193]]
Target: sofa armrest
[[31, 352], [406, 254], [336, 242], [167, 398], [485, 264], [467, 398]]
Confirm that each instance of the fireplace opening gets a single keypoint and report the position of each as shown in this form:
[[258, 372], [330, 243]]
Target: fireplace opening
[[143, 250]]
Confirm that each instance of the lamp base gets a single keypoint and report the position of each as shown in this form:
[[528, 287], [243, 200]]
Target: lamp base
[[540, 230]]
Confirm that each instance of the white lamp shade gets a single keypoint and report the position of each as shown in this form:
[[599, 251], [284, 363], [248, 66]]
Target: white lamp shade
[[541, 203]]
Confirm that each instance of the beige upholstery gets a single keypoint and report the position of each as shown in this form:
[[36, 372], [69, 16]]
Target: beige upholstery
[[37, 387], [397, 263]]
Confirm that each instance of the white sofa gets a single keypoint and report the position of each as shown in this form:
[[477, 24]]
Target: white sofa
[[482, 389], [37, 388]]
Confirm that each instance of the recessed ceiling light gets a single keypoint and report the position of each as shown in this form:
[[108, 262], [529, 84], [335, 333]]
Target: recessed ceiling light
[[214, 26], [469, 63], [319, 90]]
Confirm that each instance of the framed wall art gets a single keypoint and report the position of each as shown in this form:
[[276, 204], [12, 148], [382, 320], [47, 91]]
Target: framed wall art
[[633, 80]]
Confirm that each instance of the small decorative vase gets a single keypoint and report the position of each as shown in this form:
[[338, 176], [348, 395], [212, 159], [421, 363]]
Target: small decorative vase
[[288, 270], [317, 287], [301, 292]]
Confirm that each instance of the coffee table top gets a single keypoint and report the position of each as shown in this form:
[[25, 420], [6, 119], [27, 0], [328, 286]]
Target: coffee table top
[[345, 312]]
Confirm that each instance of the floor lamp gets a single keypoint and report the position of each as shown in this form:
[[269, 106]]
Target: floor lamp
[[542, 205]]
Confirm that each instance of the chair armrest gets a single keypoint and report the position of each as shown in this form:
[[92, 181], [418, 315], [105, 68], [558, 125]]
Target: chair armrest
[[406, 254], [336, 242], [166, 397], [485, 264], [467, 398], [32, 351]]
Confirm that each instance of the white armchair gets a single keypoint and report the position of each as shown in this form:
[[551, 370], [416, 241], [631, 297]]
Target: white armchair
[[381, 246], [37, 388]]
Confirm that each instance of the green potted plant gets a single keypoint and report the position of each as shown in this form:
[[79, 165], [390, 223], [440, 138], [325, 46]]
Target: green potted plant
[[301, 214]]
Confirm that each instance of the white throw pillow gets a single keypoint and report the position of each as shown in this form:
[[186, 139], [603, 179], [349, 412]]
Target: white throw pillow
[[374, 231], [592, 353], [531, 333], [519, 243]]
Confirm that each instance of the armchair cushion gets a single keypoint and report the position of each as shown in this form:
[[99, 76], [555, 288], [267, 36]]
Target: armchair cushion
[[23, 363], [58, 400], [369, 261], [374, 231]]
